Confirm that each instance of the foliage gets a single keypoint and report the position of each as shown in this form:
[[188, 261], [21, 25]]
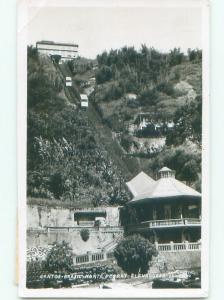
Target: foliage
[[84, 233], [34, 270], [32, 52], [176, 57], [134, 253], [114, 92], [93, 274], [80, 65], [59, 258], [148, 97], [185, 162], [165, 87], [63, 152], [187, 123], [103, 74], [56, 185], [195, 54], [126, 142]]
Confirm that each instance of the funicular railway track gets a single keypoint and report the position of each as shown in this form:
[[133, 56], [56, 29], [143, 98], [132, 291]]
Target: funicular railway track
[[70, 93], [103, 132]]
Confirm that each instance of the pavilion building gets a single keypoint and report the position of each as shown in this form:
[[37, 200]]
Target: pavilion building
[[165, 209]]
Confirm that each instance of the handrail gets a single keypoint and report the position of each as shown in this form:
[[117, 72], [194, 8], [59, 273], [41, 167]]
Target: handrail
[[174, 247], [167, 222]]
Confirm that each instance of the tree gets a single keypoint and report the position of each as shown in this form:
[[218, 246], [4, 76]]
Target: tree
[[175, 57], [103, 74], [84, 234], [187, 123], [56, 185], [134, 253], [59, 258], [148, 97]]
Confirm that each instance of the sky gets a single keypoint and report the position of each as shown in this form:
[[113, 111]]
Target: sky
[[96, 29]]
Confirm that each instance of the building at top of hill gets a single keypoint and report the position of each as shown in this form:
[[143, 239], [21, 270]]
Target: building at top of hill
[[67, 51], [166, 209]]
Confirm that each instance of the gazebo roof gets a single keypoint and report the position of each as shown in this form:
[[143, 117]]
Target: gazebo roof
[[145, 189], [164, 169], [140, 184]]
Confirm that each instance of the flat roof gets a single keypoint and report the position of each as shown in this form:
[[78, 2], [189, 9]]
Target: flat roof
[[55, 43]]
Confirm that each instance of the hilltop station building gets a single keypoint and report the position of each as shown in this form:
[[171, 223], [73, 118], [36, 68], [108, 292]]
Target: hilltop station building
[[67, 51]]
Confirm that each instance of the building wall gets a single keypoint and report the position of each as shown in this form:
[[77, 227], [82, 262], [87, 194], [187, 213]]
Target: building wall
[[39, 218], [98, 238], [65, 51]]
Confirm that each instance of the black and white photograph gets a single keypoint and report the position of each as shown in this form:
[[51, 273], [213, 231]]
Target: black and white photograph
[[113, 148]]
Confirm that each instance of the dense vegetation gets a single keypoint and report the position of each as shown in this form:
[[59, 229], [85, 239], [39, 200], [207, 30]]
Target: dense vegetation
[[64, 159], [168, 87], [58, 270], [134, 253]]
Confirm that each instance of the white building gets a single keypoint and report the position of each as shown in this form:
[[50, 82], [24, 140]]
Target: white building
[[67, 51]]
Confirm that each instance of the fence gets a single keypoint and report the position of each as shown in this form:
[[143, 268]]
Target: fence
[[172, 247], [92, 257]]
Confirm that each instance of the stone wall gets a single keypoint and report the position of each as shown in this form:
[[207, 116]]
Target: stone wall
[[39, 217], [39, 220], [178, 260]]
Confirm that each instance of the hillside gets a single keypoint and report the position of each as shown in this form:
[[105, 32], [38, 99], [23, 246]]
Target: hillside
[[65, 161], [81, 157], [151, 102]]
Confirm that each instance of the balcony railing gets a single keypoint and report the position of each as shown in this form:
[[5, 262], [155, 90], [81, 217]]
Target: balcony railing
[[167, 223], [174, 247]]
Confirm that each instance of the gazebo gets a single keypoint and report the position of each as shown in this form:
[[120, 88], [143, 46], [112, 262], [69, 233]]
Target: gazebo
[[166, 209]]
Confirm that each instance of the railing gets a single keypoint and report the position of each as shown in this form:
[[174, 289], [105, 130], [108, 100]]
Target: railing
[[81, 259], [173, 247], [104, 229], [92, 257], [167, 223], [169, 247]]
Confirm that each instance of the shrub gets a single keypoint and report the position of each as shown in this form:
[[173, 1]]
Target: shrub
[[114, 93], [134, 253], [56, 185], [34, 269], [59, 258], [103, 74], [126, 142], [148, 97], [166, 88], [84, 233]]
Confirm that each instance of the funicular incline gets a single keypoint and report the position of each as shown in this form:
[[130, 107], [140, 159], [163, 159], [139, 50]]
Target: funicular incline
[[70, 92], [103, 133]]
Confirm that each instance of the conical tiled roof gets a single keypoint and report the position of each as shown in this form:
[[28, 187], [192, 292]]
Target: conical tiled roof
[[163, 188], [140, 184]]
